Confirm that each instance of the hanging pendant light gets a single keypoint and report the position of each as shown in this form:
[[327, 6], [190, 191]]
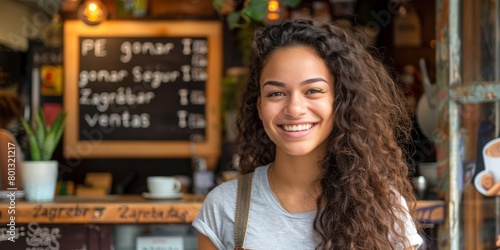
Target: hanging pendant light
[[92, 12]]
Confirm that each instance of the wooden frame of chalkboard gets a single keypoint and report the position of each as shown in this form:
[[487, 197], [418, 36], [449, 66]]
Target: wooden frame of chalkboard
[[142, 89]]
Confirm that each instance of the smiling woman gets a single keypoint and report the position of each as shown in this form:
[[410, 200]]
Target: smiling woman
[[318, 134], [296, 101]]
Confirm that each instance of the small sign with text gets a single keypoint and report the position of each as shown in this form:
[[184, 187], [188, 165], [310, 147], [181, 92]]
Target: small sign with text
[[159, 243]]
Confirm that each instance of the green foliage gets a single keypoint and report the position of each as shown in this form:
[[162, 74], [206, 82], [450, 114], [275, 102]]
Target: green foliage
[[292, 3], [244, 18], [43, 139], [233, 19], [231, 87], [254, 11], [244, 39], [218, 4]]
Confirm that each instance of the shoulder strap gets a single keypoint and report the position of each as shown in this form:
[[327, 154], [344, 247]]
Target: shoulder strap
[[242, 209]]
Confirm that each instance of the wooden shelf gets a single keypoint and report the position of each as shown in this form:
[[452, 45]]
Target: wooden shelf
[[125, 209], [104, 209], [430, 212]]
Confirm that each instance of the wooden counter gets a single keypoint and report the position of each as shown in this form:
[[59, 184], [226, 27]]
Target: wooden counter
[[430, 212], [105, 209], [136, 209]]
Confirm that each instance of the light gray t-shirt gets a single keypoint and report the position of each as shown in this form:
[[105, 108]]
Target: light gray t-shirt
[[269, 225]]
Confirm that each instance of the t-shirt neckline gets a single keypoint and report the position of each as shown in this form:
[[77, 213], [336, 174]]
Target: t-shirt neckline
[[271, 199]]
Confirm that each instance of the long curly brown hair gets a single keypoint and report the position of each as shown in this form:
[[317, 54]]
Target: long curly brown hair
[[364, 172]]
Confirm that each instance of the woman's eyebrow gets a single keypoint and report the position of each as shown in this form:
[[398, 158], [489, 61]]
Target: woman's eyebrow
[[308, 81], [313, 80], [274, 83]]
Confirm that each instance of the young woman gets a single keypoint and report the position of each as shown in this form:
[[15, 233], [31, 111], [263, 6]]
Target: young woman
[[320, 126]]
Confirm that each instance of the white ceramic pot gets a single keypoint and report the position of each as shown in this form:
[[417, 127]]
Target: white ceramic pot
[[39, 180]]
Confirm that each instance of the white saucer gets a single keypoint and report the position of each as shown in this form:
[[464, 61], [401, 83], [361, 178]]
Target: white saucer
[[162, 196], [477, 182]]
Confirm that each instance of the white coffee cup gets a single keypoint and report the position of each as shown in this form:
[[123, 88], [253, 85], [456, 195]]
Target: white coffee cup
[[163, 184], [491, 155]]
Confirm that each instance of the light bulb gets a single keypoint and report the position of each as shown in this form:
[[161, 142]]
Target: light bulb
[[273, 5], [92, 12], [275, 13]]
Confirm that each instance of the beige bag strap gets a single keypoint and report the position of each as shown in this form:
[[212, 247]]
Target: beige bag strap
[[242, 210]]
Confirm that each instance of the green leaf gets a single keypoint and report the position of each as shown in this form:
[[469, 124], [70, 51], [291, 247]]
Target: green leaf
[[43, 122], [58, 126], [292, 3], [58, 121], [256, 9], [34, 146], [44, 139], [53, 136], [49, 146], [233, 20], [218, 4], [41, 129]]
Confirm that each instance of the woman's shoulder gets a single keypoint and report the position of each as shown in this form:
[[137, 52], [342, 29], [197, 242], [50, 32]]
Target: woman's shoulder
[[224, 189], [229, 188]]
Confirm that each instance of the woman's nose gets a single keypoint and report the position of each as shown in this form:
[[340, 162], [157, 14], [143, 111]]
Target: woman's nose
[[296, 106]]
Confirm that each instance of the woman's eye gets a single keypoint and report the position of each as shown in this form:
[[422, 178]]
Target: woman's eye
[[271, 94], [314, 91]]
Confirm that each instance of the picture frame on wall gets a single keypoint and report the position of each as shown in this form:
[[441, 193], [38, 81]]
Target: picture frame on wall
[[47, 70], [51, 80]]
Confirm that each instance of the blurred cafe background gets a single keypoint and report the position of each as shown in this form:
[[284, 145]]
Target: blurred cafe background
[[133, 89]]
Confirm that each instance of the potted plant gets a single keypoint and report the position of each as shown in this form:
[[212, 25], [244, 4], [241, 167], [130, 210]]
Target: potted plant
[[40, 172]]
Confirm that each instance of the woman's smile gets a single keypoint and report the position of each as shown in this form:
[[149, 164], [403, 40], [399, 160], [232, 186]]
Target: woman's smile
[[297, 131], [298, 127]]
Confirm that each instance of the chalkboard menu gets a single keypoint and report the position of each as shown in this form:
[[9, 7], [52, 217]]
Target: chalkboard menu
[[142, 89]]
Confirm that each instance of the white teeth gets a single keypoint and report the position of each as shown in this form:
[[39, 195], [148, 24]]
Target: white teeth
[[295, 128]]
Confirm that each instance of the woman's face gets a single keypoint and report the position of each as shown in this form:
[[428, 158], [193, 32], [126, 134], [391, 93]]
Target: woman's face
[[296, 100]]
